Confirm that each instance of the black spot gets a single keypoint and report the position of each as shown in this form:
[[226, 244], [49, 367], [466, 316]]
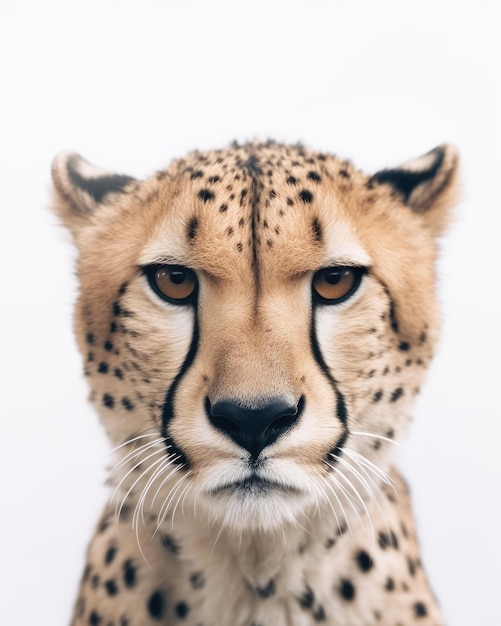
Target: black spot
[[182, 610], [123, 289], [192, 228], [377, 396], [170, 543], [116, 308], [420, 609], [272, 194], [347, 590], [130, 573], [110, 554], [422, 338], [269, 243], [243, 193], [344, 173], [118, 373], [229, 231], [383, 540], [404, 346], [124, 621], [314, 176], [111, 587], [197, 580], [94, 618], [316, 227], [240, 247], [329, 543], [156, 605], [213, 179], [127, 404], [412, 567], [319, 614], [90, 357], [390, 584], [341, 529], [103, 368], [398, 393], [94, 581], [307, 600], [386, 540], [206, 195], [290, 201], [108, 401], [196, 174], [90, 338], [113, 327], [86, 573], [268, 591], [291, 180], [364, 561], [223, 208], [306, 196], [108, 346]]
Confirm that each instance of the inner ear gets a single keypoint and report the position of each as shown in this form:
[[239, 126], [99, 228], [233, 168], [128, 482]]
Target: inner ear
[[422, 181]]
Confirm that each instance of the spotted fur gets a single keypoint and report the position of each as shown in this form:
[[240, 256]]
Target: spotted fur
[[222, 515]]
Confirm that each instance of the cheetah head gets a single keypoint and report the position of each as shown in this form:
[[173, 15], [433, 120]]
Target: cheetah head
[[255, 324]]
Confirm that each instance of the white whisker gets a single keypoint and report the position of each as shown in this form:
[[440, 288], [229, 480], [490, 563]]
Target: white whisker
[[355, 490], [383, 438], [129, 441]]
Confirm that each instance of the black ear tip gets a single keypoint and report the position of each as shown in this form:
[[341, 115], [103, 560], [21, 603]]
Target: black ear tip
[[72, 174], [406, 178]]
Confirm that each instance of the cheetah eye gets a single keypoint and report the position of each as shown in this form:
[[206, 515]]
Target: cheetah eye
[[333, 285], [174, 283]]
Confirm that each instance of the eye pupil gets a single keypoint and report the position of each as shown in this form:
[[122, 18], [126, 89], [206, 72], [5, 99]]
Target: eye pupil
[[177, 277], [333, 277]]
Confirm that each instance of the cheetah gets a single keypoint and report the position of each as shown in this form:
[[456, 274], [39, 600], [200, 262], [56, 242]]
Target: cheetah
[[256, 323]]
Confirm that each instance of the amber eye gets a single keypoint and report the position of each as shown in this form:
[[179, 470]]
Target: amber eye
[[174, 283], [333, 285]]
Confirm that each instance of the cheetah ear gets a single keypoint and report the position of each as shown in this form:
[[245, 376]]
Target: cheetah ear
[[428, 185], [81, 187]]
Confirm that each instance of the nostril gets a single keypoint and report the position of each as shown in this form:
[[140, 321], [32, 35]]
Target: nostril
[[225, 425], [282, 423]]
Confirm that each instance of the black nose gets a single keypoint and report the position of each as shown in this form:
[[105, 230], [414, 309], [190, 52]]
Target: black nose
[[254, 427]]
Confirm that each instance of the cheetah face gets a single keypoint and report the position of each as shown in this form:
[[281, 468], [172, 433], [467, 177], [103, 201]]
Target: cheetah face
[[255, 324]]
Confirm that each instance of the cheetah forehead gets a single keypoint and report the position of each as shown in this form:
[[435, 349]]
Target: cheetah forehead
[[248, 205]]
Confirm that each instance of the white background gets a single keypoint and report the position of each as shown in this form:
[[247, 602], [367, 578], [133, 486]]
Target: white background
[[131, 85]]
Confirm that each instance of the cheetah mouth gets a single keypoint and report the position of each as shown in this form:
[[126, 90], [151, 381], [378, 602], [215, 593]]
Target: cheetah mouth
[[255, 485]]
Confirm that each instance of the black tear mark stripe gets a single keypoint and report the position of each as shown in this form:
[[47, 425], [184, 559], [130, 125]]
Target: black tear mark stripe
[[179, 457], [341, 411]]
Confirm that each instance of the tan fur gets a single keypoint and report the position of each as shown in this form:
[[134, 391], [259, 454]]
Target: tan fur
[[255, 223]]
